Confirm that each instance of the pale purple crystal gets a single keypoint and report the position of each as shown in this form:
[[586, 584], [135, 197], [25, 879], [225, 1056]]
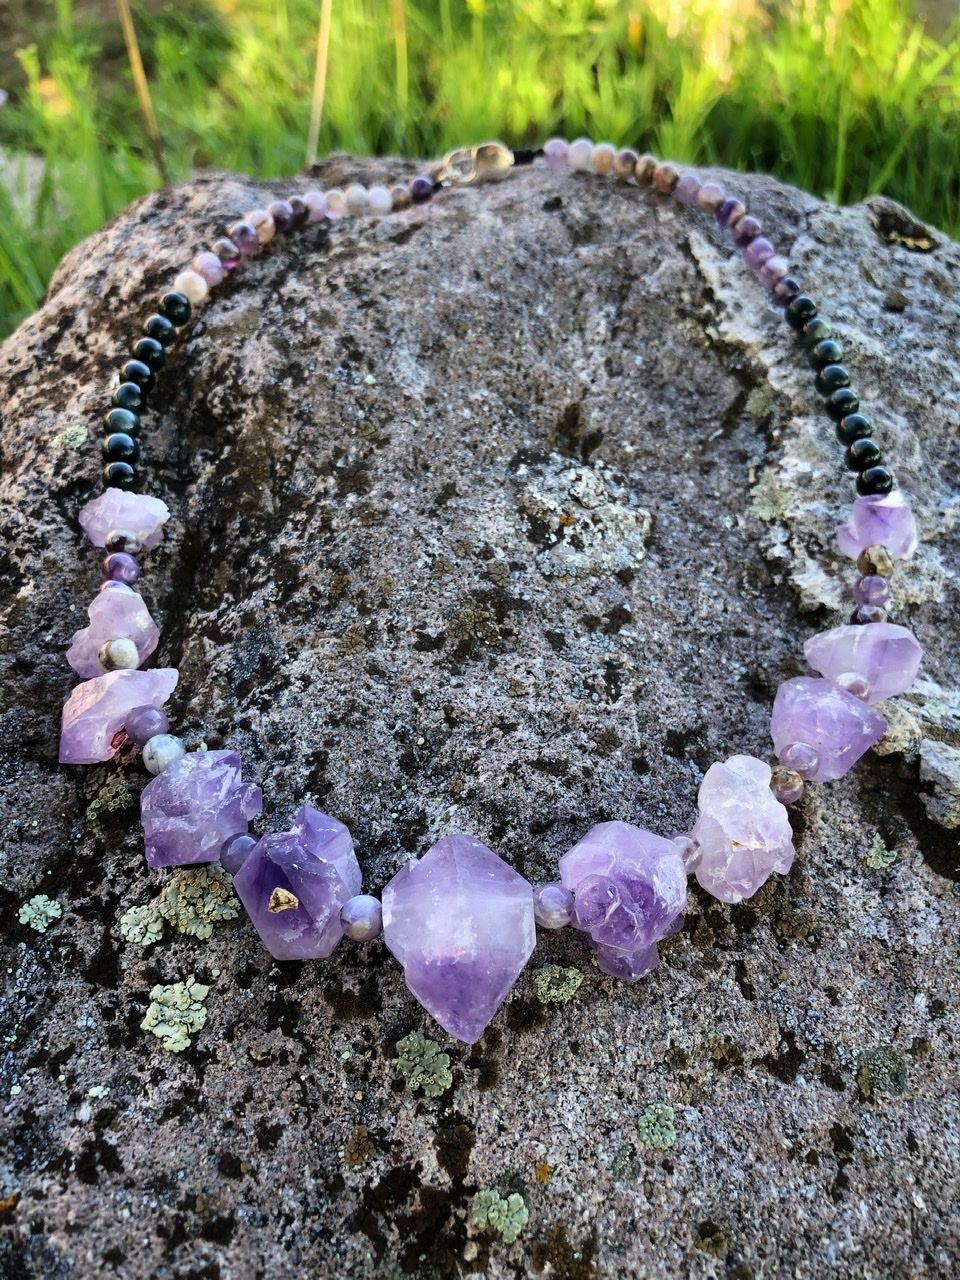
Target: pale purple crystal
[[743, 832], [114, 615], [630, 889], [293, 891], [887, 654], [460, 921], [94, 714], [191, 809], [884, 518], [120, 509], [837, 725]]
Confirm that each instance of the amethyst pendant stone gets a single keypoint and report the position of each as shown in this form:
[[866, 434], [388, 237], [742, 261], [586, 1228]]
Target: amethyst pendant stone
[[886, 654], [460, 921], [194, 807], [840, 727], [95, 713]]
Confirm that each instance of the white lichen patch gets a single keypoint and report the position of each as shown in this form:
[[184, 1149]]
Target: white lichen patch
[[506, 1216], [39, 912], [879, 857], [176, 1013], [142, 926], [72, 437], [195, 900]]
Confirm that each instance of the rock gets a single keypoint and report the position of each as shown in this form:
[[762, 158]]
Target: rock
[[410, 577]]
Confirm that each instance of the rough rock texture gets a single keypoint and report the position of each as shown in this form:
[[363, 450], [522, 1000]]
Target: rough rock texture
[[506, 515]]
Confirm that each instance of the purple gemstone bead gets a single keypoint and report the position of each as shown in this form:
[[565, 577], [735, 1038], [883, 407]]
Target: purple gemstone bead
[[800, 757], [838, 726], [421, 190], [316, 203], [555, 151], [871, 589], [228, 253], [747, 229], [758, 251], [236, 851], [97, 710], [209, 266], [552, 905], [114, 615], [886, 654], [880, 518], [786, 784], [138, 513], [710, 197], [460, 921], [191, 809], [362, 918], [773, 269], [730, 211], [281, 211], [143, 723], [244, 236], [687, 189], [120, 567], [785, 290]]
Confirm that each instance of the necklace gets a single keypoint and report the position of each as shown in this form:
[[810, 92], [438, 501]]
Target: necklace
[[460, 920]]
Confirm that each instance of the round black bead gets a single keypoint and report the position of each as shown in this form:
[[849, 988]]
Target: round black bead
[[829, 351], [799, 311], [122, 420], [875, 480], [863, 453], [853, 427], [842, 403], [119, 447], [140, 373], [161, 328], [816, 330], [151, 353], [119, 475], [831, 378], [128, 395], [176, 307]]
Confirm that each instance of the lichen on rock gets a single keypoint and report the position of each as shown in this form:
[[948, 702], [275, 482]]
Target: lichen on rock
[[555, 984], [423, 1065], [176, 1013], [506, 1216], [656, 1127], [141, 925], [39, 912], [194, 900]]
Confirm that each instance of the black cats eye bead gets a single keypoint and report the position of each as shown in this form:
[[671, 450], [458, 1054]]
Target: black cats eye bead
[[831, 378], [853, 427], [119, 447], [176, 307], [863, 453], [128, 395], [798, 312], [160, 328], [816, 330], [151, 353], [842, 403], [119, 475], [122, 420], [829, 351], [140, 373], [874, 480]]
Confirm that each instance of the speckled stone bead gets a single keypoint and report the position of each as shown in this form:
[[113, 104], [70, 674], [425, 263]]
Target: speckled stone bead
[[865, 614], [401, 196], [686, 189], [379, 201], [710, 197], [362, 917], [555, 152], [119, 567], [421, 189], [160, 752], [263, 224], [244, 236], [357, 200], [855, 683], [192, 285], [603, 158], [643, 170], [746, 230], [875, 560], [580, 155], [730, 212], [665, 178], [786, 784], [208, 265], [119, 655], [144, 723], [123, 540], [625, 164], [552, 905]]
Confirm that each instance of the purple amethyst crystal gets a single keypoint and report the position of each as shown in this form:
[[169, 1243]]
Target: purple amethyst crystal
[[743, 832], [191, 809], [294, 884], [838, 726], [630, 888], [120, 509], [887, 655], [879, 518], [95, 712], [114, 615], [460, 921]]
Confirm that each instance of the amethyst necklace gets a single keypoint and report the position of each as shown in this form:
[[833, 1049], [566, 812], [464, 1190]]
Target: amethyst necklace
[[460, 920]]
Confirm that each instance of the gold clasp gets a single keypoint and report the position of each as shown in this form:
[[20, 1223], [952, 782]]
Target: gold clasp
[[467, 165]]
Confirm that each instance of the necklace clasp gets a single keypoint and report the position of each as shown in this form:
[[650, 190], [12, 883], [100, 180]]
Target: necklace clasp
[[486, 162]]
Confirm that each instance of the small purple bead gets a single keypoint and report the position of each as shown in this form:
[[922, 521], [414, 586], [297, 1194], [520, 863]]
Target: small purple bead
[[687, 189], [555, 151], [316, 203], [773, 269], [747, 229], [209, 266], [871, 589], [228, 253], [800, 757], [281, 211], [758, 251], [362, 918], [245, 237], [421, 189], [730, 211], [120, 567], [236, 851], [785, 290], [552, 905], [143, 723]]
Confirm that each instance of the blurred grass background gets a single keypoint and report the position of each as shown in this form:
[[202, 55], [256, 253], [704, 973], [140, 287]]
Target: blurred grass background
[[841, 97]]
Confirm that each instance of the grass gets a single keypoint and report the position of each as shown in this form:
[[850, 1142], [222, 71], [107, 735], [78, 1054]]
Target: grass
[[842, 97]]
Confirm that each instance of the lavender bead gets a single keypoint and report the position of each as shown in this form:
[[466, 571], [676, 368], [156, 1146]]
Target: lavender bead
[[191, 809], [115, 509], [871, 589], [773, 269], [880, 518], [281, 211], [209, 266], [244, 236], [114, 615], [887, 655], [800, 757], [379, 201], [730, 211], [710, 197], [747, 229], [119, 567], [555, 151], [144, 723], [838, 726], [228, 253], [580, 154], [786, 784], [421, 189], [362, 918], [97, 710], [687, 189], [236, 851], [316, 203], [758, 251], [552, 905]]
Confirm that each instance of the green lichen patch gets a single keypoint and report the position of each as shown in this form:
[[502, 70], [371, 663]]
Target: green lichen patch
[[556, 985], [626, 1166], [114, 797], [141, 926], [194, 901], [39, 912], [176, 1013], [505, 1216], [423, 1065], [882, 1070], [879, 857], [98, 1091], [75, 436], [768, 501], [656, 1127]]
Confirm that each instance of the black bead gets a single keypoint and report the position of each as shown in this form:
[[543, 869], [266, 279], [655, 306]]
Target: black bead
[[140, 373], [799, 311], [875, 480], [816, 330], [842, 403], [151, 353], [119, 475], [863, 453], [128, 396], [119, 447], [829, 351], [853, 427], [831, 378], [176, 307], [161, 328], [122, 420]]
